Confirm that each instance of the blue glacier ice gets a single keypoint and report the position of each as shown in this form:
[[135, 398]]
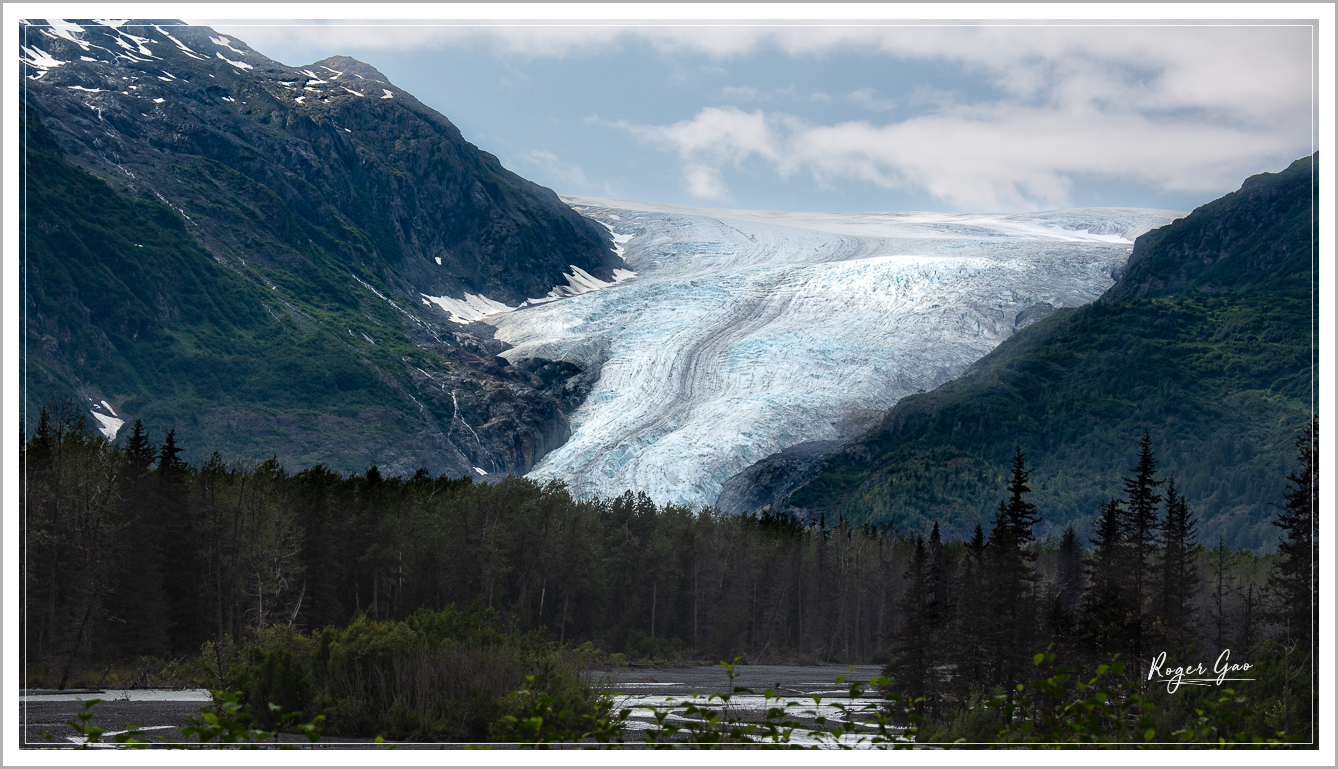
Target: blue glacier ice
[[745, 332]]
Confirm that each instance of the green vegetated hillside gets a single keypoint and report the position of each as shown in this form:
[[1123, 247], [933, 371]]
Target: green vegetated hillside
[[120, 295], [1207, 341], [221, 244]]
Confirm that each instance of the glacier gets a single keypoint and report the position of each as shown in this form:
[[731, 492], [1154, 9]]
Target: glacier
[[745, 332]]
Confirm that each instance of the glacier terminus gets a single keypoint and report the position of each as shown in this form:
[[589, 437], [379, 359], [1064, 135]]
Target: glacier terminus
[[743, 333]]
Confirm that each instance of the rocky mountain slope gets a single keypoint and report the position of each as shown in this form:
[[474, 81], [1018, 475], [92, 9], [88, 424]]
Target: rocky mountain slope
[[1207, 340], [280, 260]]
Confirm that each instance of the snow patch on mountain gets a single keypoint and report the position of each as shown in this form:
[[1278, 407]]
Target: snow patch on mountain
[[224, 42], [237, 64], [473, 307], [109, 424], [580, 282], [747, 332], [38, 59]]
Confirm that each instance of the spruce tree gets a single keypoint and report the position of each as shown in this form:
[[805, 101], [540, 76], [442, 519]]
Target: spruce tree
[[1218, 611], [969, 623], [138, 619], [1069, 570], [172, 514], [1141, 527], [139, 454], [941, 563], [1010, 579], [1179, 575], [1105, 612], [911, 666], [1297, 588]]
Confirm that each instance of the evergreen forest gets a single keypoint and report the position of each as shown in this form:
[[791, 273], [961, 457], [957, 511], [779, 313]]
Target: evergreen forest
[[132, 553]]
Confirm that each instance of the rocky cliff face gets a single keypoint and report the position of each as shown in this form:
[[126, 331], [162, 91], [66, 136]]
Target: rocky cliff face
[[321, 207], [1253, 237]]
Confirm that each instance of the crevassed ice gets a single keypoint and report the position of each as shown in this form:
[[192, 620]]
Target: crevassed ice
[[747, 332]]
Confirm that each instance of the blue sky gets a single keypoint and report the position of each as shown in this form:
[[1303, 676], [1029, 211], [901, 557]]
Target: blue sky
[[830, 116]]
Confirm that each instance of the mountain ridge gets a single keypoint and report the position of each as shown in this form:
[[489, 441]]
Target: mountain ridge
[[334, 214], [1206, 340]]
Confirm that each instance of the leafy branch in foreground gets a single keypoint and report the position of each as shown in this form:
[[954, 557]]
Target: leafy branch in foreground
[[716, 721], [1055, 711], [1058, 710], [224, 723]]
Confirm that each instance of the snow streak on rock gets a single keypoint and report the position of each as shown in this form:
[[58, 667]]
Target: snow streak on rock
[[746, 332]]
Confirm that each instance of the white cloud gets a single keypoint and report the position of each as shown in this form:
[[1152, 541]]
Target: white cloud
[[719, 135], [1184, 109], [1243, 70], [999, 157], [1184, 106], [534, 40], [706, 183]]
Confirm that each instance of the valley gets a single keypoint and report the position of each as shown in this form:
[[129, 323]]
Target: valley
[[744, 333]]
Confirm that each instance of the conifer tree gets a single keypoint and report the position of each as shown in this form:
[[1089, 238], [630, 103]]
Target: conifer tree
[[139, 454], [941, 562], [1011, 578], [1248, 632], [1179, 575], [137, 612], [1218, 611], [971, 613], [1069, 570], [1297, 587], [172, 515], [911, 666], [1141, 527], [1105, 612]]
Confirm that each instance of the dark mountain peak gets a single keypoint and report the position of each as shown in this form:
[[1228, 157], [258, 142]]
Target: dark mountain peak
[[209, 194], [349, 67], [1237, 242], [1297, 171], [138, 102]]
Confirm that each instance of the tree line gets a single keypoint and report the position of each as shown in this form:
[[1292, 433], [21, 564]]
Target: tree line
[[973, 615], [131, 551]]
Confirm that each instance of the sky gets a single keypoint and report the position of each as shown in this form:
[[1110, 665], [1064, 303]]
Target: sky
[[829, 115]]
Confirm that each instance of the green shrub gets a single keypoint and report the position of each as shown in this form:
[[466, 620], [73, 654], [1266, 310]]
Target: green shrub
[[441, 675]]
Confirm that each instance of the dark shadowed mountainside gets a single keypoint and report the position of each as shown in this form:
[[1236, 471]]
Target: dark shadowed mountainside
[[244, 251], [1207, 340]]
